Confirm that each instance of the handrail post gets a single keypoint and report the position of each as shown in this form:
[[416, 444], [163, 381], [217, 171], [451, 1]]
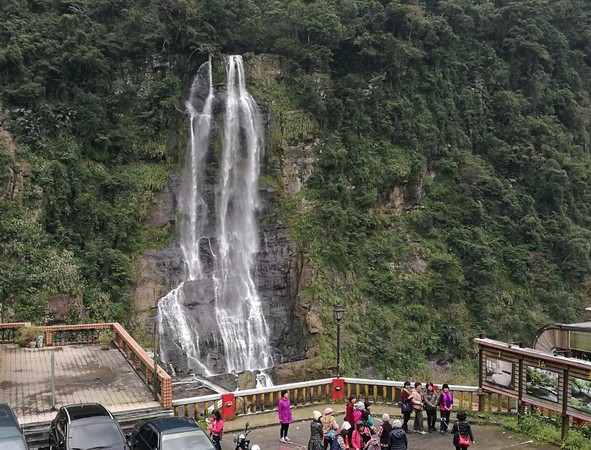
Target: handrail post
[[481, 395]]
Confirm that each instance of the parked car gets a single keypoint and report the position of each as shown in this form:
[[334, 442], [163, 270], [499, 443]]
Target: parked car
[[169, 433], [86, 426], [11, 434]]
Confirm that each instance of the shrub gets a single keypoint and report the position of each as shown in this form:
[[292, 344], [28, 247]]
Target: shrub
[[27, 334]]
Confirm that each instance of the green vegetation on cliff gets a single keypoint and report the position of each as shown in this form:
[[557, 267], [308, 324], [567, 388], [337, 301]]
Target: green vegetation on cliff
[[450, 193]]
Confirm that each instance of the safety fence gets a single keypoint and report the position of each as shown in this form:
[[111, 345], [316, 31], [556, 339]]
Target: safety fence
[[10, 331], [328, 390]]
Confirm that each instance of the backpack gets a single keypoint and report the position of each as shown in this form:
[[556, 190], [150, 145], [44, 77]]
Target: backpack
[[463, 434], [335, 445], [372, 444]]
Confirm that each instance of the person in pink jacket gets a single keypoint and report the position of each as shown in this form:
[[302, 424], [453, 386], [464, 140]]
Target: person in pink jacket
[[216, 429], [284, 413], [360, 436], [359, 407]]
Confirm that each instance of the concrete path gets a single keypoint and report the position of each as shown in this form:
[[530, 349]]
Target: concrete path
[[83, 373], [488, 437]]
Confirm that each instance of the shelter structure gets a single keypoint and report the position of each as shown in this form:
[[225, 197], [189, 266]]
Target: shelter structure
[[572, 339]]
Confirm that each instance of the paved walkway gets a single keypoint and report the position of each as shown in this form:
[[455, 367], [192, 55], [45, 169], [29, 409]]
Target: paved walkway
[[488, 437], [83, 373]]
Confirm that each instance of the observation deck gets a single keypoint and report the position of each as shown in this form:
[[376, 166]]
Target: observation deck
[[122, 377]]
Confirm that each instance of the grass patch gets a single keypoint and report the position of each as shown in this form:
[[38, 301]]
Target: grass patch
[[546, 430]]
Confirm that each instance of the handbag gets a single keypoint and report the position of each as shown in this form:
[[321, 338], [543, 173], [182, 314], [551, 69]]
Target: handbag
[[463, 441], [405, 407], [417, 406]]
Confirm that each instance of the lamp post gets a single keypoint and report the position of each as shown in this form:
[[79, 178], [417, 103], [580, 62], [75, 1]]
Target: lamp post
[[339, 312]]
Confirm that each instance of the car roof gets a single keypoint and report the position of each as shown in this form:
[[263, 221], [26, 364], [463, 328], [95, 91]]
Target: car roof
[[173, 424], [13, 443], [94, 420], [9, 425], [83, 410]]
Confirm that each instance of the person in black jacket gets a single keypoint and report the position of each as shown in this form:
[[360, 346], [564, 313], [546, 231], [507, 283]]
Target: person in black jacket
[[462, 428], [397, 439], [431, 400], [384, 431]]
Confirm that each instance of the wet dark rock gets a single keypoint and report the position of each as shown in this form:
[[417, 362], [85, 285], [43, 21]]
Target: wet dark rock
[[159, 271]]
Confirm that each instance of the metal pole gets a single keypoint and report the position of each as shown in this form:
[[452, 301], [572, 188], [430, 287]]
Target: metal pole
[[338, 349], [52, 380]]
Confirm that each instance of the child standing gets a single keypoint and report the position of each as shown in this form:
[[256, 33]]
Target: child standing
[[462, 431]]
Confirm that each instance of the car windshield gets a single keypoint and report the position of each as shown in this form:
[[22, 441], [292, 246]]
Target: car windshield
[[95, 435], [191, 440], [12, 444]]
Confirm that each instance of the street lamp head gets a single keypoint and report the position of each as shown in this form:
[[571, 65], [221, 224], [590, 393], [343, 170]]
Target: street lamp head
[[339, 312]]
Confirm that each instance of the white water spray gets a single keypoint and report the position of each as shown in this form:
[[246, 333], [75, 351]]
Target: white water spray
[[238, 333]]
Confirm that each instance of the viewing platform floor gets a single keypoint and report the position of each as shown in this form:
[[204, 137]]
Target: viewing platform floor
[[83, 374]]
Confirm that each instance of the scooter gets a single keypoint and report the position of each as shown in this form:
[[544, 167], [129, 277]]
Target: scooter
[[241, 442]]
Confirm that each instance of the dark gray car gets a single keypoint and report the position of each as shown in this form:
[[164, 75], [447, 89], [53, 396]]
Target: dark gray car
[[170, 433], [87, 426], [11, 435]]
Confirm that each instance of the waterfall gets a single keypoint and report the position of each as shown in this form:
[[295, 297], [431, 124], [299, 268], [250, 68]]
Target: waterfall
[[213, 321]]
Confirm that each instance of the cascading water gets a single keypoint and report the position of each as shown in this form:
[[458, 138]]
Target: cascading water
[[213, 321]]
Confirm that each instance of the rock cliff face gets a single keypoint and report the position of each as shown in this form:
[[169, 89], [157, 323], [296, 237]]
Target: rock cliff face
[[275, 273], [279, 270]]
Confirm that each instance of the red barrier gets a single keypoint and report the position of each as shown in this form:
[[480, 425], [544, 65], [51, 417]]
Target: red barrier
[[338, 389], [228, 409]]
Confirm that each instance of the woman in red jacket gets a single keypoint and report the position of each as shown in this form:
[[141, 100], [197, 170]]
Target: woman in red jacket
[[405, 406], [349, 414]]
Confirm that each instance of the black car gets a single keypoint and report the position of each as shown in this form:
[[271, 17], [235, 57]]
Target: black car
[[84, 427], [11, 435], [169, 433]]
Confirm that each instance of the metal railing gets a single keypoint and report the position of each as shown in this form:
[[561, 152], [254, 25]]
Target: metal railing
[[9, 331]]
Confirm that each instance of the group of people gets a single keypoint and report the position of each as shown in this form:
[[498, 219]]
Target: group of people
[[358, 431], [325, 433], [416, 400]]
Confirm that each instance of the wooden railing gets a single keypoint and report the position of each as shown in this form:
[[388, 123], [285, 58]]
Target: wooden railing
[[314, 392], [157, 380], [152, 374]]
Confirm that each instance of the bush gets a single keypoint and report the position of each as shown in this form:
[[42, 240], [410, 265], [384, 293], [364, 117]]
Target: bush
[[105, 337], [27, 334]]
